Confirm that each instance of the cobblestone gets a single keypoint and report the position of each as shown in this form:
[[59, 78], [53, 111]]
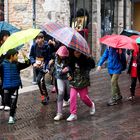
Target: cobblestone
[[35, 121]]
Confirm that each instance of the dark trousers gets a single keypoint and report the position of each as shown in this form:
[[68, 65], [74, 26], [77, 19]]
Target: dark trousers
[[40, 75], [13, 93], [2, 95], [133, 85]]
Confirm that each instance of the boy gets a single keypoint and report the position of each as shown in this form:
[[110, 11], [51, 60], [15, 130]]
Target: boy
[[40, 55], [10, 69]]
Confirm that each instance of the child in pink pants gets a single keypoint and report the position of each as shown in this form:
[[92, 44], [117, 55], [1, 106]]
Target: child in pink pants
[[80, 66]]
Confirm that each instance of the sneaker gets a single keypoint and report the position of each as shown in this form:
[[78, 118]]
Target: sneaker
[[119, 97], [92, 109], [45, 101], [66, 103], [131, 98], [11, 120], [112, 102], [72, 117], [6, 108], [1, 107], [58, 117]]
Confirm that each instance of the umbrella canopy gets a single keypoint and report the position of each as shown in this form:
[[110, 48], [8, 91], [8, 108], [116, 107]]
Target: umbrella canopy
[[6, 26], [18, 38], [127, 32], [119, 41], [68, 36], [138, 40], [51, 27]]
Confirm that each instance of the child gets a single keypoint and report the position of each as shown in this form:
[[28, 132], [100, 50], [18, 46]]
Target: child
[[40, 55], [10, 69], [115, 68], [80, 66], [134, 71], [4, 34], [61, 74]]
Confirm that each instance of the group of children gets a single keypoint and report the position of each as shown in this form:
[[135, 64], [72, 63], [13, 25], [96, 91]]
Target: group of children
[[71, 71], [71, 74]]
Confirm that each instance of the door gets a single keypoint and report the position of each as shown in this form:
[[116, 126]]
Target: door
[[136, 16]]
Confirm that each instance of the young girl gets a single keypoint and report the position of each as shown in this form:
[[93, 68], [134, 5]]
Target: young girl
[[61, 74], [80, 66]]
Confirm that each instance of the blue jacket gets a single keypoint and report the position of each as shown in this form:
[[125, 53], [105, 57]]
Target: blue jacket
[[43, 51], [113, 57], [11, 73]]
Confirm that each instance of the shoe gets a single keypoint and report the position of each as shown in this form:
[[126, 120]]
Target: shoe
[[34, 83], [45, 100], [11, 120], [58, 117], [112, 102], [66, 103], [1, 107], [119, 97], [6, 108], [72, 117], [131, 98], [92, 109]]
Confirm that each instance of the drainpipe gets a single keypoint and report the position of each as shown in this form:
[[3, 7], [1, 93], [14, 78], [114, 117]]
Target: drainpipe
[[34, 14], [7, 10], [34, 26], [74, 13], [124, 14]]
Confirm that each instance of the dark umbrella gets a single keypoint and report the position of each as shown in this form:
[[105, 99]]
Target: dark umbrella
[[128, 32], [6, 26]]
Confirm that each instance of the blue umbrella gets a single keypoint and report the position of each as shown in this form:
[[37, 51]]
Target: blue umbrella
[[6, 26]]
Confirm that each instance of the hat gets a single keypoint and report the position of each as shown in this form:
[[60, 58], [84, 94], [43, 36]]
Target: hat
[[11, 52], [63, 51]]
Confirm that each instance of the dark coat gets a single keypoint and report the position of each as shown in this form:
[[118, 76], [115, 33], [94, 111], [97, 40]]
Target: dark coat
[[80, 68], [43, 51]]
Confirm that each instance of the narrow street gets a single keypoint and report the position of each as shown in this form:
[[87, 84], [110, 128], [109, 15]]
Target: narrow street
[[35, 122]]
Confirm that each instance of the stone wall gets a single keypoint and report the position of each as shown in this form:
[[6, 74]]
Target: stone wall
[[20, 12]]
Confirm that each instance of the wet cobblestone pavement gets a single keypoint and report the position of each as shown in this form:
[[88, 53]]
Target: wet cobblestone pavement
[[35, 121]]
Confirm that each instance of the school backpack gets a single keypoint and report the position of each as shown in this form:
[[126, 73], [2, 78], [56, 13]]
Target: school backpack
[[122, 56]]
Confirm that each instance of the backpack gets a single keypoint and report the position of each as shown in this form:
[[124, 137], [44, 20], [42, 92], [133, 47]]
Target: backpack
[[122, 56]]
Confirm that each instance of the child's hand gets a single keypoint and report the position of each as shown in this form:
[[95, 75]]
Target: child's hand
[[51, 62], [99, 68], [69, 78], [64, 70], [23, 54]]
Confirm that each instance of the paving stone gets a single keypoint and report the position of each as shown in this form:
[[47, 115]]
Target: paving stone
[[35, 121]]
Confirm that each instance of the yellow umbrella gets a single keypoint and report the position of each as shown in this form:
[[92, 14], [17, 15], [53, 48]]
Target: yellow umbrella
[[18, 38]]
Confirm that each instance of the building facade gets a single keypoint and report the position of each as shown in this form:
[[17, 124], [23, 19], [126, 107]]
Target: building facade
[[102, 16]]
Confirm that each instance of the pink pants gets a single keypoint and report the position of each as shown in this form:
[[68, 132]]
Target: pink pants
[[73, 98]]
